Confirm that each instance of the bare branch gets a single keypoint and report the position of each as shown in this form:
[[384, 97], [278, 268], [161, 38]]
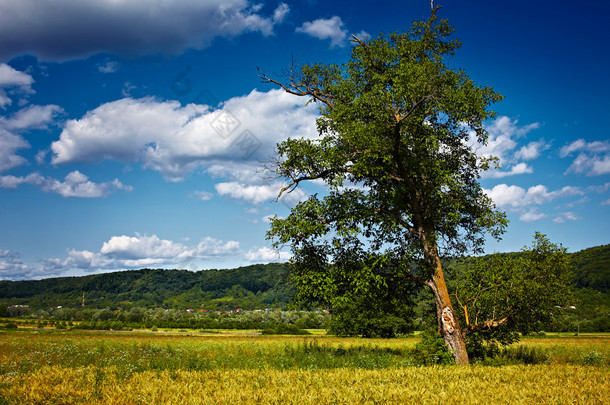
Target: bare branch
[[491, 324], [299, 88], [295, 182]]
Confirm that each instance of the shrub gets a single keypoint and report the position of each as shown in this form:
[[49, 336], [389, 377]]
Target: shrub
[[285, 329], [432, 350], [593, 358]]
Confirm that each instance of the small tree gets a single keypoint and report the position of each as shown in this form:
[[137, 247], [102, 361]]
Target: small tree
[[395, 128], [500, 295]]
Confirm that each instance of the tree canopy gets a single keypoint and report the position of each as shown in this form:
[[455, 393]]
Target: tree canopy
[[397, 128]]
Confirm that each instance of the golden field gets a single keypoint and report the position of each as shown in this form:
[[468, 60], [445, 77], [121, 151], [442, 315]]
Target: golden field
[[144, 368]]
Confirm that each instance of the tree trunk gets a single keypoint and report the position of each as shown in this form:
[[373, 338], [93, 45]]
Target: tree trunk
[[448, 325]]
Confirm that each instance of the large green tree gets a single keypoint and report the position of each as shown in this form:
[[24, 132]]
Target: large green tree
[[396, 130]]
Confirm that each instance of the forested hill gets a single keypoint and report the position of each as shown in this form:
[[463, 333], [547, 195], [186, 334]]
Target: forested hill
[[250, 287], [592, 268]]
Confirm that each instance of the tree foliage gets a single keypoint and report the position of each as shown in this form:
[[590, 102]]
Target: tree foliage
[[396, 130], [500, 295]]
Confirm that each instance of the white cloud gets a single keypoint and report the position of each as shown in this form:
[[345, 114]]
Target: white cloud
[[175, 140], [10, 181], [9, 145], [331, 28], [581, 145], [108, 66], [520, 168], [504, 134], [75, 184], [566, 216], [532, 215], [210, 247], [41, 156], [523, 202], [267, 218], [202, 195], [363, 36], [531, 150], [266, 255], [607, 202], [32, 117], [140, 246], [599, 189], [68, 29], [506, 196], [12, 79], [12, 267], [78, 185], [578, 202], [251, 194], [280, 13], [593, 158], [121, 252]]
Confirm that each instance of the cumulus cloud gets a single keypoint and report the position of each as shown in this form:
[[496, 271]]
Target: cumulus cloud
[[9, 145], [66, 29], [202, 195], [24, 119], [32, 117], [504, 134], [175, 140], [12, 267], [520, 168], [123, 251], [506, 196], [525, 202], [280, 13], [251, 194], [593, 158], [331, 28], [75, 184], [566, 216], [531, 215], [139, 246], [266, 255], [531, 150], [13, 80]]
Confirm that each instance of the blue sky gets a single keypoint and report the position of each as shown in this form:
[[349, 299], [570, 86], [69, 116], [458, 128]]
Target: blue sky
[[131, 132]]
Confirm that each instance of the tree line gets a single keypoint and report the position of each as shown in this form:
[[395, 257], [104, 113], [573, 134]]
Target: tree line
[[155, 297]]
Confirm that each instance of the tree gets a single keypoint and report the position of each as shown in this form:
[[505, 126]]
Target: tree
[[395, 130], [502, 294]]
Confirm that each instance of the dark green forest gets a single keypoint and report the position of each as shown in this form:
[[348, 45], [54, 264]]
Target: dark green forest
[[250, 287], [264, 286]]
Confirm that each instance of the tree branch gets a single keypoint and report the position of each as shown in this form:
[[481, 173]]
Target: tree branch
[[491, 324], [295, 182], [299, 88]]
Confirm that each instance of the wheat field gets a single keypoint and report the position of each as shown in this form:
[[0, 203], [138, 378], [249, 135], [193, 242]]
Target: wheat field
[[137, 368]]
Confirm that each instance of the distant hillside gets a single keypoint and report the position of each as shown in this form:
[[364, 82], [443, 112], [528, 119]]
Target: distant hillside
[[592, 268], [250, 287]]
